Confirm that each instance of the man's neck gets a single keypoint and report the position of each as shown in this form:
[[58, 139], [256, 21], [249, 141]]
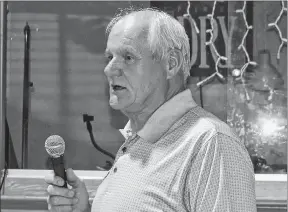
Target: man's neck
[[138, 119]]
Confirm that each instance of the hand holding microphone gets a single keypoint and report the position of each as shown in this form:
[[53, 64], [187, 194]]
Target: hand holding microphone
[[62, 198]]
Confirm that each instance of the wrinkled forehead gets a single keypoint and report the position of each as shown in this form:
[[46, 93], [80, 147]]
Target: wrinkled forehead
[[129, 30]]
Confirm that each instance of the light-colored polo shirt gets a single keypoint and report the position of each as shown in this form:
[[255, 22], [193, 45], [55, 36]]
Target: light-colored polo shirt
[[183, 159]]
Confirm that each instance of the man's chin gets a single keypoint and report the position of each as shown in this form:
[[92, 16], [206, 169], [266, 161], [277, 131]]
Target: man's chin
[[119, 102], [117, 105]]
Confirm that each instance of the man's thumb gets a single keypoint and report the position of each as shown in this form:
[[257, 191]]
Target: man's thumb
[[72, 179]]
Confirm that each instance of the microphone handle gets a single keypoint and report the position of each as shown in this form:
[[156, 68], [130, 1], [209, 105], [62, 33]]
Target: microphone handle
[[59, 169]]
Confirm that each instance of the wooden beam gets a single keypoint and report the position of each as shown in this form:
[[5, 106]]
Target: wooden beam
[[31, 182], [3, 79], [3, 72], [26, 189]]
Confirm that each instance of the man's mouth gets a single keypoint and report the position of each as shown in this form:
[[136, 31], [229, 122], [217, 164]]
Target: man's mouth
[[118, 87]]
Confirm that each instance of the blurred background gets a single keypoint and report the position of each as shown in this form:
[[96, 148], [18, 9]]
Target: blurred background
[[67, 63]]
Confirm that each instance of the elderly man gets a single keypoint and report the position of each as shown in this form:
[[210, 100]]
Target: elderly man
[[176, 157]]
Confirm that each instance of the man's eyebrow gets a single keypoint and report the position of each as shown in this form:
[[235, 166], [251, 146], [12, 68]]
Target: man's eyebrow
[[129, 49], [125, 49]]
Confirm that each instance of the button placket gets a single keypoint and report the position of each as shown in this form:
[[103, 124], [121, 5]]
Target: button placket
[[130, 137]]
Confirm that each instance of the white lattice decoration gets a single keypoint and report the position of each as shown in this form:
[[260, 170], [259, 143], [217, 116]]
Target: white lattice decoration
[[240, 73], [279, 32], [213, 48], [188, 16], [236, 72]]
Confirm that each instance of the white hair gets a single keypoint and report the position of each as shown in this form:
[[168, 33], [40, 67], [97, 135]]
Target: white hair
[[165, 33]]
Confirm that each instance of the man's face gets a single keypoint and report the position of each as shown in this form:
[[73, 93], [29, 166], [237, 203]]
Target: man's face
[[133, 76]]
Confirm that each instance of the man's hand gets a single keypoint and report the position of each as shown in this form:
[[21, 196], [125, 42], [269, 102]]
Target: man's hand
[[63, 199]]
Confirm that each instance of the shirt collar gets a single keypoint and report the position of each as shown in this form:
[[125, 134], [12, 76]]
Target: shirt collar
[[164, 117]]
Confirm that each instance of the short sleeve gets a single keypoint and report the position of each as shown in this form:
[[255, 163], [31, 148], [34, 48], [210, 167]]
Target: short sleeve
[[222, 178]]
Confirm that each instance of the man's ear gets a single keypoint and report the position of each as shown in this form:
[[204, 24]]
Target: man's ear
[[175, 61]]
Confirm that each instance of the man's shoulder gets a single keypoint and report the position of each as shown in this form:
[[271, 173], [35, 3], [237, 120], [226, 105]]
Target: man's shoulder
[[201, 122], [203, 129]]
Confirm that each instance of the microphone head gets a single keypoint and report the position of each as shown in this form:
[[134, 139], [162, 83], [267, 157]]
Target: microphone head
[[55, 146]]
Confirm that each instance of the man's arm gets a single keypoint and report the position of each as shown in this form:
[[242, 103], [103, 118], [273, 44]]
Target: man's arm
[[222, 178]]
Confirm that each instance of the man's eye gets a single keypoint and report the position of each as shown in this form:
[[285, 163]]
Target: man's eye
[[110, 57], [129, 58]]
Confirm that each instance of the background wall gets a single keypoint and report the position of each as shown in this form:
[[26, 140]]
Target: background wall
[[67, 66], [67, 49]]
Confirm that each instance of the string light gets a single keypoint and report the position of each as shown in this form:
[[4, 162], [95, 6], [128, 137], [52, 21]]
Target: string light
[[236, 72], [213, 47], [189, 17], [242, 46], [279, 32]]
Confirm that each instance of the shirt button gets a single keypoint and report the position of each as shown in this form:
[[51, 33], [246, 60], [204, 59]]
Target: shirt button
[[115, 169], [124, 149]]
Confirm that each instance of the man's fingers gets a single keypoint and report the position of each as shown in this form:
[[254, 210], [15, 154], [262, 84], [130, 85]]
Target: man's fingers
[[72, 179], [55, 180], [59, 191], [61, 201], [64, 208]]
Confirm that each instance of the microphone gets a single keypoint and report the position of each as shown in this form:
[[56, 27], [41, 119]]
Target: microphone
[[55, 147]]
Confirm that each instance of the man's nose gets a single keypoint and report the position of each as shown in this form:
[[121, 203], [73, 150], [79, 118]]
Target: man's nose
[[112, 69]]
